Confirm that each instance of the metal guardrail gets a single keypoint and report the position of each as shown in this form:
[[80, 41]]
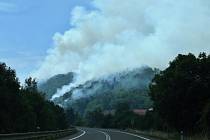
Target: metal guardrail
[[45, 135]]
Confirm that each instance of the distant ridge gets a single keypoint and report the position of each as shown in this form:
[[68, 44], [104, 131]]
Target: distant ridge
[[52, 84], [129, 86]]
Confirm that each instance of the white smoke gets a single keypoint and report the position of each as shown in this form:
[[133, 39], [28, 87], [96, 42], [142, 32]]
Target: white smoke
[[119, 34]]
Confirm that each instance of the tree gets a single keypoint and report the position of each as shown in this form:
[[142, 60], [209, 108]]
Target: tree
[[123, 116], [181, 91], [95, 118], [31, 85], [24, 109], [108, 121], [205, 119], [70, 116], [10, 99], [48, 116]]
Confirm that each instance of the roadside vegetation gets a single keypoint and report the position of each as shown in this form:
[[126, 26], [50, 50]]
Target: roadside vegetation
[[181, 95], [23, 108]]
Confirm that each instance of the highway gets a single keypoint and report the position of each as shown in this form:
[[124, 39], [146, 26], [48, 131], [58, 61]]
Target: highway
[[103, 134]]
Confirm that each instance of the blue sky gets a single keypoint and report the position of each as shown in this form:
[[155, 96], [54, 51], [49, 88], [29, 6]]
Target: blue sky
[[27, 28]]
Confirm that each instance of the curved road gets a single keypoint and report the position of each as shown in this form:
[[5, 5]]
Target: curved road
[[103, 134]]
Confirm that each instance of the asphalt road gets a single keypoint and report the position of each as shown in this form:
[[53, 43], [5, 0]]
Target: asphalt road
[[103, 134]]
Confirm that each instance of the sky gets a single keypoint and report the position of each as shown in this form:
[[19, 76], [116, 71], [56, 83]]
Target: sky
[[27, 28]]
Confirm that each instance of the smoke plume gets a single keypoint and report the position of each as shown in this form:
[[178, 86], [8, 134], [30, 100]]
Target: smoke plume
[[115, 35]]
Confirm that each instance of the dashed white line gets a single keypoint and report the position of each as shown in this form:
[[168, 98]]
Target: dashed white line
[[130, 134], [83, 133], [107, 136]]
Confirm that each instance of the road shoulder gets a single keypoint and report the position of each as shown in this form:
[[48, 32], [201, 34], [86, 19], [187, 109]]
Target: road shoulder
[[74, 136]]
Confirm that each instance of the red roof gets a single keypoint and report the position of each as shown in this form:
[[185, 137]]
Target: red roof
[[140, 112], [107, 112]]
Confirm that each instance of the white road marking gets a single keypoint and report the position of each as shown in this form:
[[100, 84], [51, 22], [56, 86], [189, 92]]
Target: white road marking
[[107, 136], [79, 135], [130, 134]]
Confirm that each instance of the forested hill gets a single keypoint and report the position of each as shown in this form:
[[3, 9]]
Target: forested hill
[[127, 86], [50, 86]]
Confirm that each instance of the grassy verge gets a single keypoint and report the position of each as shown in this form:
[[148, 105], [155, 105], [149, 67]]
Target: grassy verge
[[156, 135]]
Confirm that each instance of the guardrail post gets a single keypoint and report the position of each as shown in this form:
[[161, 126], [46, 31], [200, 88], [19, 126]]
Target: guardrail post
[[182, 135]]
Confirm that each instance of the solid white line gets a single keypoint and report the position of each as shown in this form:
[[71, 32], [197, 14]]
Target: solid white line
[[130, 134], [79, 135], [107, 136]]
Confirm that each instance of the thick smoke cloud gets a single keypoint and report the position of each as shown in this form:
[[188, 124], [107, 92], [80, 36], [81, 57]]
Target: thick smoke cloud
[[124, 34]]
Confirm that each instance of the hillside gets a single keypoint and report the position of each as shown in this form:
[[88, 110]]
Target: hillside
[[107, 92], [51, 85]]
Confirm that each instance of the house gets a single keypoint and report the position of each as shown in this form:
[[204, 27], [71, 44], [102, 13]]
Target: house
[[140, 112]]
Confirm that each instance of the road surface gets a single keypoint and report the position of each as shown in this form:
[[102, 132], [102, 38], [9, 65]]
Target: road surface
[[103, 134]]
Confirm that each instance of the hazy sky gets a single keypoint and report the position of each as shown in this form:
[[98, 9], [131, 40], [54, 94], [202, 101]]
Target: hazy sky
[[27, 28]]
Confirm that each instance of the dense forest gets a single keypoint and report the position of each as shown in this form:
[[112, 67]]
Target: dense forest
[[181, 94], [110, 100], [23, 108]]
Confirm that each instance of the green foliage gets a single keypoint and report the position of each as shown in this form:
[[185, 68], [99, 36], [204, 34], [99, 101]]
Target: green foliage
[[24, 109], [94, 118], [121, 118], [108, 121], [71, 116], [181, 91], [108, 101], [152, 121], [205, 119], [9, 99]]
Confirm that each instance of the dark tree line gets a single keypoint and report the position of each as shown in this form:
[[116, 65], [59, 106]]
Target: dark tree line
[[23, 108], [123, 117], [181, 93]]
